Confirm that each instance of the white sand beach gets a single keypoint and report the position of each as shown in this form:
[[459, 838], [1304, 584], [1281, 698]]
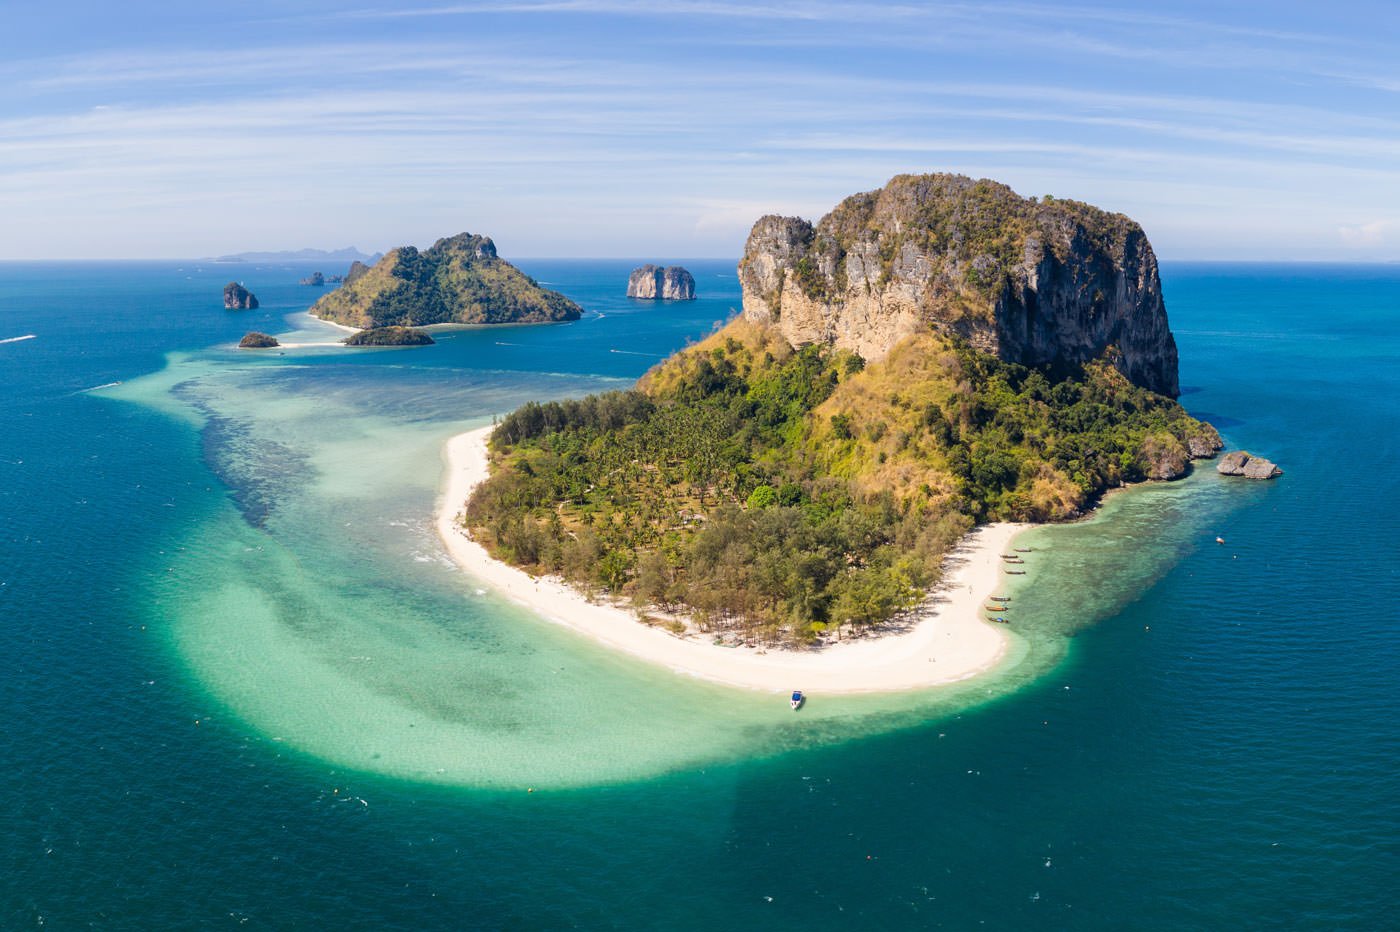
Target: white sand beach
[[330, 323], [949, 642]]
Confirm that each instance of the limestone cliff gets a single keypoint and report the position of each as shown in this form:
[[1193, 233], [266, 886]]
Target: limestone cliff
[[668, 283], [238, 298], [459, 279], [1037, 281]]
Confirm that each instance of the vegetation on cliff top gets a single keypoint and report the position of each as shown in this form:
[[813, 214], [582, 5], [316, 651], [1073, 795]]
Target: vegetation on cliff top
[[973, 230], [786, 491], [459, 279]]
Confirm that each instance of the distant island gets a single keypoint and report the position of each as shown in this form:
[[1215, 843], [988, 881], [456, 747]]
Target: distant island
[[930, 356], [459, 280], [390, 336], [315, 280], [257, 340], [669, 283], [327, 256], [238, 298]]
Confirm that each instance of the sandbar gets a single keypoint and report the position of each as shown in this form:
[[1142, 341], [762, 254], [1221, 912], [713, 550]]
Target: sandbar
[[946, 641]]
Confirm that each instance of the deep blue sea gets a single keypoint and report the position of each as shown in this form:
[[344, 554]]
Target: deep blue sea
[[242, 687]]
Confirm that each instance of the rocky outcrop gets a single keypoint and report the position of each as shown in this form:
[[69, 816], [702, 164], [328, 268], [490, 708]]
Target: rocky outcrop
[[390, 336], [668, 283], [1240, 463], [458, 280], [255, 340], [315, 279], [357, 271], [238, 298], [1166, 455], [1037, 281], [1206, 444]]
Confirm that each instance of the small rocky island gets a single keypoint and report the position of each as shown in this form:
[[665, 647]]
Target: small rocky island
[[1240, 463], [256, 340], [315, 280], [390, 336], [458, 280], [238, 298], [661, 283]]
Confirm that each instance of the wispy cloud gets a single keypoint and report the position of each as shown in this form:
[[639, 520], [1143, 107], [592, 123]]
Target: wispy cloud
[[407, 123], [813, 11]]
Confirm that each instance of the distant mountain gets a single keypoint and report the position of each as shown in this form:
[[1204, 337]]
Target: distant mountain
[[348, 254]]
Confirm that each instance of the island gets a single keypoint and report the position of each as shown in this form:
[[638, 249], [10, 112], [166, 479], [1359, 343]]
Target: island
[[315, 280], [937, 356], [668, 283], [458, 280], [256, 340], [238, 298], [389, 336]]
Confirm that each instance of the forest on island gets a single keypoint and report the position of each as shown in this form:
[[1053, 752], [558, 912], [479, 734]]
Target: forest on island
[[784, 493]]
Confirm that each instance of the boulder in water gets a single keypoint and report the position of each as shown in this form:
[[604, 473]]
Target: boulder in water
[[1240, 463]]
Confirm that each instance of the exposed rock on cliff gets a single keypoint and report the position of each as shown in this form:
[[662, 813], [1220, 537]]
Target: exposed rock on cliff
[[390, 336], [670, 283], [1240, 463], [238, 298], [1036, 281], [357, 271], [255, 340], [458, 280], [1168, 456], [315, 279]]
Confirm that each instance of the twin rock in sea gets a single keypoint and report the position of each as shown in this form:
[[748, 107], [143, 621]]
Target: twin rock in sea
[[664, 283]]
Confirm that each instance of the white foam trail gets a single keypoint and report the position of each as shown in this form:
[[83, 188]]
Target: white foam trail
[[635, 353], [27, 336]]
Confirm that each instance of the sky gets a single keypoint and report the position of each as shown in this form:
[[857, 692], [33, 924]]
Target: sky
[[664, 129]]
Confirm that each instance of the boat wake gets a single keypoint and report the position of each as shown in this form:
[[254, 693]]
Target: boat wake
[[97, 388], [625, 352], [27, 336]]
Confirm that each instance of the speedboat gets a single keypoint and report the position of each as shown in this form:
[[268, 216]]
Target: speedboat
[[797, 699]]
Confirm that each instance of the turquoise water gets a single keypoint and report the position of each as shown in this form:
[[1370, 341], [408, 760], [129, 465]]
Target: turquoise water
[[243, 685]]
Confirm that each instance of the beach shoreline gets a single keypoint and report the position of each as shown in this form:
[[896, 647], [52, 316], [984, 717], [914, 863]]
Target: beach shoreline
[[330, 323], [948, 641]]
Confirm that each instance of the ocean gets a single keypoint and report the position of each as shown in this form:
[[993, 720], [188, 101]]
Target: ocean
[[243, 686]]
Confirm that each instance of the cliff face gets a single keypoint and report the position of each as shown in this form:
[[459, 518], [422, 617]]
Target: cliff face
[[1032, 281], [459, 279], [669, 283], [238, 298]]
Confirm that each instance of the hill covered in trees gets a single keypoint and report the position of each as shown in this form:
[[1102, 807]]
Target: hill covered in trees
[[458, 280], [745, 482], [930, 356]]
